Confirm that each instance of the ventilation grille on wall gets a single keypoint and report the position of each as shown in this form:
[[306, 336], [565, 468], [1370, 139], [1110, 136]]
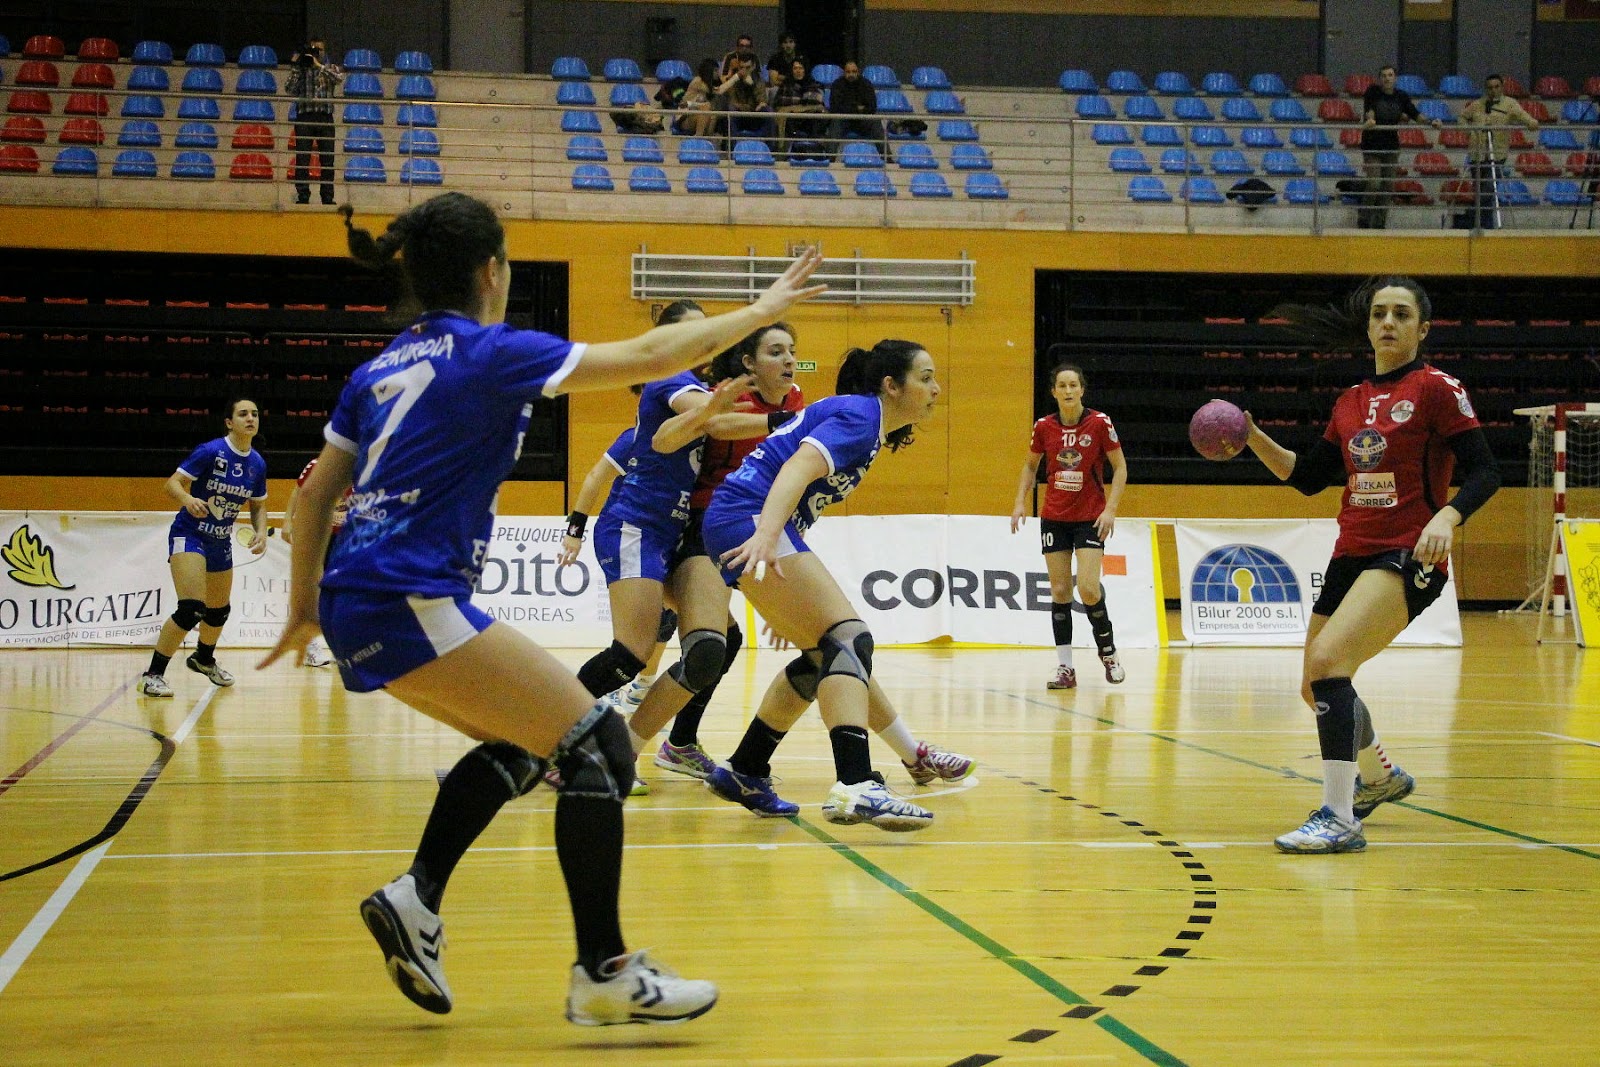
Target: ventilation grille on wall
[[850, 280]]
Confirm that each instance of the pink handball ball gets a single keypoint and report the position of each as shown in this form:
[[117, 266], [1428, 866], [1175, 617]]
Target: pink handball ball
[[1218, 430]]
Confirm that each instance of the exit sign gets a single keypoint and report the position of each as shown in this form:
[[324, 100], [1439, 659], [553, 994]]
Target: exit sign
[[805, 364]]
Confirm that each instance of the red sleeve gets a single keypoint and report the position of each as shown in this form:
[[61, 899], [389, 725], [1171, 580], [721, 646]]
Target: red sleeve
[[1331, 434], [305, 473], [1038, 444], [1113, 444], [1451, 409]]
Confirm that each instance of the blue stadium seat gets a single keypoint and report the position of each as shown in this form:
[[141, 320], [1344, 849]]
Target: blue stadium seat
[[569, 68], [1288, 110], [194, 165], [642, 150], [1095, 107], [1240, 109], [698, 151], [1414, 86], [1124, 81], [148, 80], [893, 102], [752, 153], [362, 85], [424, 115], [5, 45], [1580, 112], [826, 74], [415, 87], [575, 94], [880, 76], [419, 170], [592, 177], [139, 133], [627, 94], [1129, 161], [861, 154], [705, 180], [1111, 133], [622, 70], [1310, 137], [1457, 87], [157, 53], [365, 169], [413, 62], [821, 183], [1514, 193], [1564, 193], [419, 143], [1192, 109], [254, 83], [1558, 141], [572, 122], [944, 102], [77, 162], [1435, 110], [1304, 191], [143, 107], [1334, 163], [1200, 191], [649, 179], [957, 130], [982, 185], [1077, 82], [1268, 84], [762, 182], [206, 80], [929, 78], [362, 60], [1279, 162], [1148, 190], [1210, 137], [1260, 137], [134, 163], [358, 114], [1143, 109], [1220, 83], [970, 157], [583, 148], [1180, 161], [929, 185], [1172, 83], [196, 135], [364, 141], [674, 69], [913, 156], [874, 183], [1160, 136], [1230, 161], [258, 55], [205, 54], [200, 108]]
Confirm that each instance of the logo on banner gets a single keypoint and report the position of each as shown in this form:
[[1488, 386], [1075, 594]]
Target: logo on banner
[[1367, 448], [1244, 589], [31, 561]]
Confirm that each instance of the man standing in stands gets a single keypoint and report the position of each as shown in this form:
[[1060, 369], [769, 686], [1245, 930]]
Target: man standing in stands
[[1383, 108], [851, 97], [1486, 152], [313, 82]]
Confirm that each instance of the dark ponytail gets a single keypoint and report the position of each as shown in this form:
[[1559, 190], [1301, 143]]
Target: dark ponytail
[[677, 311], [442, 241], [864, 369], [1344, 327]]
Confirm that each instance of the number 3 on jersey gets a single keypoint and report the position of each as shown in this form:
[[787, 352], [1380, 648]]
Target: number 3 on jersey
[[407, 385]]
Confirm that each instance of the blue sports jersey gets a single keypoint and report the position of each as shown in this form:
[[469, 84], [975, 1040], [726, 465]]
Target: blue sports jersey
[[224, 479], [846, 429], [435, 422], [655, 490], [620, 454]]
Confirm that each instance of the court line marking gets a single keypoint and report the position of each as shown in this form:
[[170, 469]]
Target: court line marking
[[1564, 737], [60, 739]]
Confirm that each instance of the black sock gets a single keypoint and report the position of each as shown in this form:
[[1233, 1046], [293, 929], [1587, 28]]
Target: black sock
[[1100, 623], [205, 654], [469, 798], [1336, 718], [754, 754], [852, 761], [589, 846], [158, 663], [1061, 623]]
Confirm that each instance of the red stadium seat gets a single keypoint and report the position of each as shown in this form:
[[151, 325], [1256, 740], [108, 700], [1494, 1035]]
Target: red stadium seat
[[1457, 191], [83, 131], [1552, 87], [1520, 141], [1313, 85], [1536, 165], [28, 102], [1579, 164], [1350, 137], [101, 48], [253, 135], [93, 76], [87, 104], [1412, 192], [27, 129], [1538, 111], [1336, 111], [38, 72], [1449, 138], [19, 159], [1358, 84], [251, 166], [1514, 88], [1435, 164], [1412, 137], [44, 46], [1591, 87]]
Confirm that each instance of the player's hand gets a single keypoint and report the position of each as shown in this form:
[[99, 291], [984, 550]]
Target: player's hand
[[791, 287], [774, 639], [759, 553], [570, 547], [257, 544], [727, 393], [1019, 515], [1433, 547], [196, 507], [1105, 524], [297, 634]]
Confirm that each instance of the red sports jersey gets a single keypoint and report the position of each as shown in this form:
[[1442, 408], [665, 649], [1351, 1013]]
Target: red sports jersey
[[1393, 433], [339, 509], [1075, 467], [722, 458]]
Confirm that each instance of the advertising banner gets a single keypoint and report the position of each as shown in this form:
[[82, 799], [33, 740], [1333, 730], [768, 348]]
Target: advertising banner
[[1580, 540], [1254, 583]]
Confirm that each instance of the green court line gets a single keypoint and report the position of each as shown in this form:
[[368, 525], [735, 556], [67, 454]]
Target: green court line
[[1143, 1046]]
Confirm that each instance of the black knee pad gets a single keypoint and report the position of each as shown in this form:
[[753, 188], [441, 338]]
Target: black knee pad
[[804, 672], [700, 664], [217, 616], [667, 627], [596, 757], [847, 649], [189, 614], [611, 669], [1365, 734], [520, 769]]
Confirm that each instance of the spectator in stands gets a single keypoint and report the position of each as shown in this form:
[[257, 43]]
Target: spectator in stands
[[701, 119], [1383, 108], [1486, 151], [742, 94], [313, 82], [744, 45], [849, 98], [799, 94], [780, 62]]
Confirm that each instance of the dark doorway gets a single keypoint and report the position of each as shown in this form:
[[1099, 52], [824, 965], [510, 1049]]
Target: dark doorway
[[826, 31]]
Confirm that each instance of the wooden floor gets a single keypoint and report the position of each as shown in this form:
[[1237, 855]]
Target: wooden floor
[[1104, 893]]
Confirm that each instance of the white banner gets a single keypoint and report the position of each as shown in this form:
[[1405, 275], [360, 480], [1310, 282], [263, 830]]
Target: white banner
[[1254, 583]]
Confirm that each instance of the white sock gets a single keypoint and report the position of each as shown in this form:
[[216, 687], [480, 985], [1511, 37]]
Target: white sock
[[1064, 654], [1339, 787], [898, 736], [638, 742], [1375, 766], [645, 680]]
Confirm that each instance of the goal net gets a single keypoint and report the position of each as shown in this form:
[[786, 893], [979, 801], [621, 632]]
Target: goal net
[[1563, 482]]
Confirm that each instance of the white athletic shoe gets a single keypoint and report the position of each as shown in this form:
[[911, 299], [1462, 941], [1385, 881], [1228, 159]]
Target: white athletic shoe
[[637, 989], [1114, 672], [412, 939], [153, 685], [636, 690], [870, 802], [317, 654], [211, 670]]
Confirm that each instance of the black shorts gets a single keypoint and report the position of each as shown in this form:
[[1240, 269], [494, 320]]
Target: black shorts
[[1423, 584], [690, 544], [1057, 536]]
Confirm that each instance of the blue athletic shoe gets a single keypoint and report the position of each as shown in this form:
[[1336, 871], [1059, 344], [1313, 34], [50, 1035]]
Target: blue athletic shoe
[[1397, 786], [1323, 832], [754, 793]]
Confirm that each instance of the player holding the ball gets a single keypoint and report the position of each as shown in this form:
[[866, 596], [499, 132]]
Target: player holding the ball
[[1078, 516], [1393, 441]]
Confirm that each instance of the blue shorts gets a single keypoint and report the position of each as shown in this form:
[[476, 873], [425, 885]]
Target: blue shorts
[[378, 637], [218, 551], [628, 551], [725, 529]]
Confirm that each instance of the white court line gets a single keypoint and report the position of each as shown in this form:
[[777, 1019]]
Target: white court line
[[25, 942], [1564, 737]]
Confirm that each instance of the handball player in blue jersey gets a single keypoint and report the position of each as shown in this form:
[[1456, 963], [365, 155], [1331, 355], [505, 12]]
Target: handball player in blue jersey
[[217, 480], [425, 432]]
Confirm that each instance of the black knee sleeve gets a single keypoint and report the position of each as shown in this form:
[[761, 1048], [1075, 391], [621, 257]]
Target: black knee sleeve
[[189, 614], [700, 664], [847, 649], [1365, 734], [596, 757], [1336, 718], [667, 627], [735, 641], [611, 669], [217, 616], [520, 769]]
